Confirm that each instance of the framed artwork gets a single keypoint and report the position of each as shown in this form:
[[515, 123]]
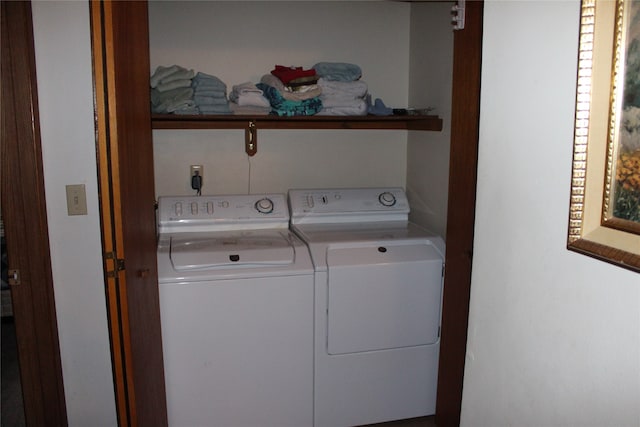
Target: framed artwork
[[604, 218]]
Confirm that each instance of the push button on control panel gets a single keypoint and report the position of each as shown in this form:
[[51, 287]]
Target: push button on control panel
[[310, 202]]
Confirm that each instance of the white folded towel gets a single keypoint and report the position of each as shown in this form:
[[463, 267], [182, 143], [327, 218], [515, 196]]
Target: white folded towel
[[343, 90], [247, 94], [358, 108], [249, 110]]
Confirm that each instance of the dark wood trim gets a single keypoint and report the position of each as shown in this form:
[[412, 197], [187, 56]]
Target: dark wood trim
[[120, 361], [406, 122], [467, 60], [25, 219], [125, 149]]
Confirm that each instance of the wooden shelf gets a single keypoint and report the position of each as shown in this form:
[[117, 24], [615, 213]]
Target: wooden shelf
[[407, 122]]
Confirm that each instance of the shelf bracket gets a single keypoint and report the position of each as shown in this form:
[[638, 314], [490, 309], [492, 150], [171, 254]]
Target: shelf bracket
[[251, 138], [457, 12]]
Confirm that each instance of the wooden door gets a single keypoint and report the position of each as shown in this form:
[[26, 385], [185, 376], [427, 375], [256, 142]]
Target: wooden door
[[120, 37], [25, 219], [463, 164]]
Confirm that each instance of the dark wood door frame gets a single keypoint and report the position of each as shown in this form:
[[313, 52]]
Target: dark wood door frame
[[26, 230], [465, 116]]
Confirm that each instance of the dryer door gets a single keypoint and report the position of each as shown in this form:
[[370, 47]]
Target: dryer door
[[382, 296]]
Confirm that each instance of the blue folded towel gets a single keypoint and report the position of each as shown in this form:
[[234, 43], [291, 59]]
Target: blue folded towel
[[340, 71], [219, 93], [215, 109], [210, 100], [202, 80]]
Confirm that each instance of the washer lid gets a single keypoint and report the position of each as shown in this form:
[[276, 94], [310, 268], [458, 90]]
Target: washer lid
[[231, 250]]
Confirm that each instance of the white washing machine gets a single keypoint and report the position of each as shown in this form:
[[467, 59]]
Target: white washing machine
[[236, 306], [378, 292]]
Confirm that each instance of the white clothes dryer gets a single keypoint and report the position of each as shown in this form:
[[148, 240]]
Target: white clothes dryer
[[378, 293], [236, 307]]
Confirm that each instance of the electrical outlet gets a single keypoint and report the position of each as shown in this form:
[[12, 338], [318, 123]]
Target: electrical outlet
[[196, 184], [194, 169]]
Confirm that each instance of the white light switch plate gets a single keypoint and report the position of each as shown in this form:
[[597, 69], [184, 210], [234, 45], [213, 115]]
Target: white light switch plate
[[76, 200]]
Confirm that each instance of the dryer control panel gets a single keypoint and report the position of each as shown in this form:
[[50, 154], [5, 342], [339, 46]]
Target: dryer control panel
[[337, 205], [219, 213]]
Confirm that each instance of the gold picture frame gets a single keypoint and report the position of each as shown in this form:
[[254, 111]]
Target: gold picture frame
[[604, 217]]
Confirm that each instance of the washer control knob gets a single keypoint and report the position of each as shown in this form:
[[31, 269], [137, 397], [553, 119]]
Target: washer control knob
[[387, 199], [264, 206], [178, 207], [194, 208]]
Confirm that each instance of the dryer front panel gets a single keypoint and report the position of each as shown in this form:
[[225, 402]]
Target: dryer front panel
[[383, 296]]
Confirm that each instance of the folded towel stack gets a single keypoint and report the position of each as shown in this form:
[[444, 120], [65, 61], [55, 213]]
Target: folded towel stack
[[210, 94], [284, 107], [246, 98], [171, 91], [343, 93], [329, 88], [291, 91], [295, 79]]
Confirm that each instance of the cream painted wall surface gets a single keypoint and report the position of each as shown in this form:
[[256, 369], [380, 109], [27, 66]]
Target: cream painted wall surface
[[241, 41], [430, 83], [554, 336], [65, 92]]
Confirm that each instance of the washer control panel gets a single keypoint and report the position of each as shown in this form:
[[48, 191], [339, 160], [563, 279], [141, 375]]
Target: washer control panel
[[348, 205], [227, 212]]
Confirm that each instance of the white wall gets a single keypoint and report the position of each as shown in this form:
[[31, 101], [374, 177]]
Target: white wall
[[554, 336], [241, 41], [65, 92]]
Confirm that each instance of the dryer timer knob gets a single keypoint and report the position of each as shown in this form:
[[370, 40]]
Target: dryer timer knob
[[387, 199], [264, 206]]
